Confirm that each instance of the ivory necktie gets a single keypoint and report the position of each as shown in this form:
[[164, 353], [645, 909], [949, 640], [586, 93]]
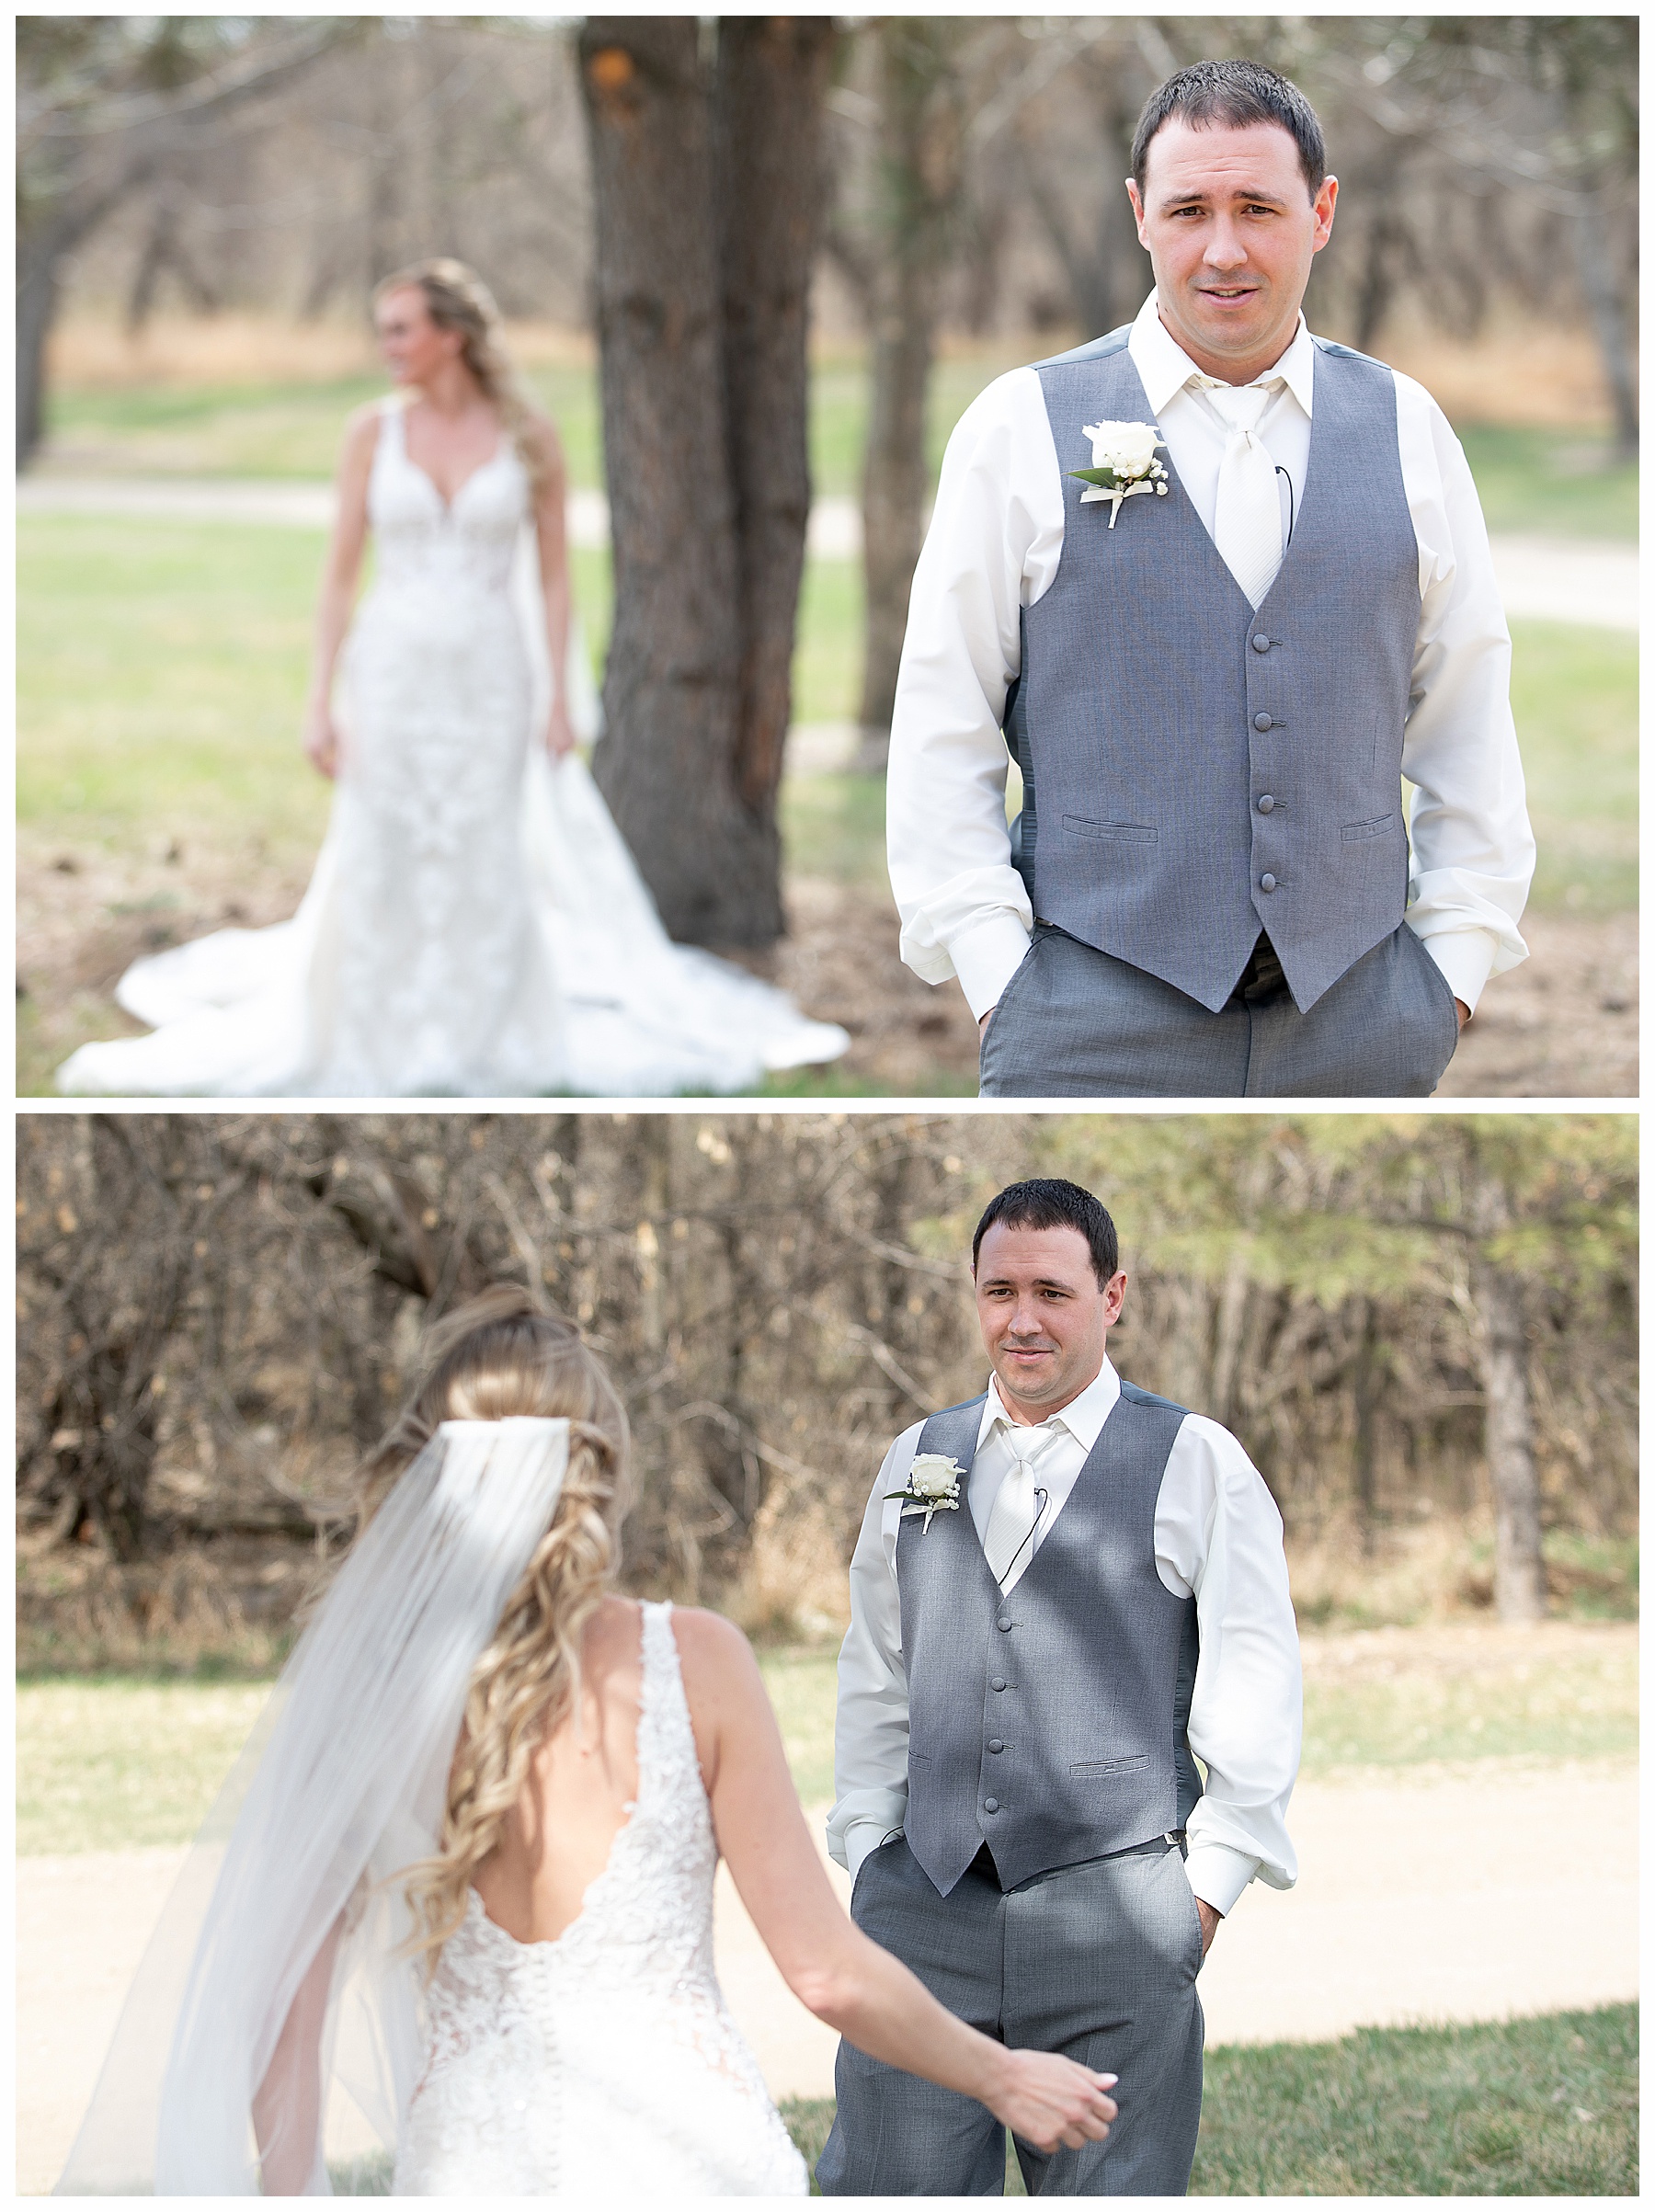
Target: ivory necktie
[[1247, 519], [1007, 1541]]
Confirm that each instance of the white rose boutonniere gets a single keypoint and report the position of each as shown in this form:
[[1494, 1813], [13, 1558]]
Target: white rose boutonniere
[[1124, 462], [932, 1486]]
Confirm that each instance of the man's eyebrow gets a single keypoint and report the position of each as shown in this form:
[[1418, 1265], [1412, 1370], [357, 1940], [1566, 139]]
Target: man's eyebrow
[[1040, 1283], [1198, 194]]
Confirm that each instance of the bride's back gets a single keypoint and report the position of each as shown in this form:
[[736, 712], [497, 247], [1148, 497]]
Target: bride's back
[[582, 1785]]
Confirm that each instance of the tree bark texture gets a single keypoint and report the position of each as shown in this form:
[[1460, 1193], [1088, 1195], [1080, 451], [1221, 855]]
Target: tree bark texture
[[772, 80], [920, 164], [704, 395], [1519, 1570]]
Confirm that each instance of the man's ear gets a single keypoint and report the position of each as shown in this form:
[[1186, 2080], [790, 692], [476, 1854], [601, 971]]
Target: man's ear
[[1138, 207], [1324, 203]]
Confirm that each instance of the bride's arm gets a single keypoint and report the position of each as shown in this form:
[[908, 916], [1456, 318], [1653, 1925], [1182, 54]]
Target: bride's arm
[[552, 542], [339, 586], [287, 2105], [828, 1964]]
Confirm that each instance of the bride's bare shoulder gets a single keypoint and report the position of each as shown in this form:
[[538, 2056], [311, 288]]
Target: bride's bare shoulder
[[716, 1659]]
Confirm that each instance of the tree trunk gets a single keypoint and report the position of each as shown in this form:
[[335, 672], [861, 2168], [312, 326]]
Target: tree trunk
[[704, 398], [919, 163], [770, 83], [1519, 1570], [1608, 323], [673, 685], [37, 307]]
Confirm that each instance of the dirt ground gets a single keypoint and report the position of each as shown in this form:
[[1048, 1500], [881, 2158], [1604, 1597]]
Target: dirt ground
[[1563, 1025]]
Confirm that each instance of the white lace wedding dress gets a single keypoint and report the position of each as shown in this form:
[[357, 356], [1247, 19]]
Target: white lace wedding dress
[[603, 2064], [476, 926]]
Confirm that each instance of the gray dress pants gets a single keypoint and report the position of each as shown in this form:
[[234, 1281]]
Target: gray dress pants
[[1098, 1961], [1075, 1022]]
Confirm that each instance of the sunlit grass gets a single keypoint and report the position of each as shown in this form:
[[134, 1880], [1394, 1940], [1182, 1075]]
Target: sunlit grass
[[1574, 699], [161, 666], [1542, 2107]]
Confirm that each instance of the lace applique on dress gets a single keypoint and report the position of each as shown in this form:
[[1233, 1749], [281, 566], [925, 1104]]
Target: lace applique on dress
[[604, 2062]]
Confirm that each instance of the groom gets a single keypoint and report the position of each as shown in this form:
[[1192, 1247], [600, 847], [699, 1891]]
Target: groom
[[1032, 1669], [1212, 675]]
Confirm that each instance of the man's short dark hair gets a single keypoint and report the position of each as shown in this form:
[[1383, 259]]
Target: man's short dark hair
[[1047, 1201], [1233, 94]]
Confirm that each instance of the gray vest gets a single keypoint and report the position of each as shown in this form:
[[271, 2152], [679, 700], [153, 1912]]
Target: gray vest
[[1194, 772], [1051, 1722]]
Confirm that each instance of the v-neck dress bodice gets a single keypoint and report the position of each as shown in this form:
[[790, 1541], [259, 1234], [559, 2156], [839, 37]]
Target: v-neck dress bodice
[[461, 545], [603, 2063]]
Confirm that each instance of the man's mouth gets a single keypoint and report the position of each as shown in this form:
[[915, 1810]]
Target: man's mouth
[[1227, 291]]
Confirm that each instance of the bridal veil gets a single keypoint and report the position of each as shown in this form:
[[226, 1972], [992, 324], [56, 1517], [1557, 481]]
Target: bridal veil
[[288, 1904]]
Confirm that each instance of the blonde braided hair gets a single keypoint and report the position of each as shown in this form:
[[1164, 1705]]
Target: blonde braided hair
[[494, 1357], [456, 299]]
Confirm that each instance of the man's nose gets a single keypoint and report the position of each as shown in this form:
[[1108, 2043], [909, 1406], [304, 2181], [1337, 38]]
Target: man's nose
[[1226, 248]]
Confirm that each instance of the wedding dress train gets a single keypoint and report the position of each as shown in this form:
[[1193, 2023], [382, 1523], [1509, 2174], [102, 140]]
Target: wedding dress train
[[603, 2064], [476, 926]]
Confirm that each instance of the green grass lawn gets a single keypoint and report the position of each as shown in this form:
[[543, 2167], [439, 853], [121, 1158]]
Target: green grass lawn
[[1542, 2107], [1574, 700], [280, 429], [109, 1763], [161, 666]]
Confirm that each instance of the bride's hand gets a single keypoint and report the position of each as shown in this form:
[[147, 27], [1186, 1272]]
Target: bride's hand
[[321, 742], [560, 738], [1049, 2100]]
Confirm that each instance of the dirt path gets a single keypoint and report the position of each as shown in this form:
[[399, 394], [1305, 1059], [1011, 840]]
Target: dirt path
[[1424, 1895], [1559, 580]]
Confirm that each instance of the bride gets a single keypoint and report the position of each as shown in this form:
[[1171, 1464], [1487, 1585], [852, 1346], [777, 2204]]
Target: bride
[[476, 926], [459, 1892]]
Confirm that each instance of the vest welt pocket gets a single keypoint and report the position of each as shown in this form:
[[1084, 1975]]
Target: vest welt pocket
[[1110, 1766], [1357, 833], [1129, 833]]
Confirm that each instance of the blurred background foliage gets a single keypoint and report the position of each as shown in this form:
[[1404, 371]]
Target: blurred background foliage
[[218, 1314]]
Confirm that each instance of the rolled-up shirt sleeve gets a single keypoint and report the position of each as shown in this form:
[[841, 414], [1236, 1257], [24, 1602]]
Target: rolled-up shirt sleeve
[[1473, 848], [871, 1729], [995, 538], [1219, 1534]]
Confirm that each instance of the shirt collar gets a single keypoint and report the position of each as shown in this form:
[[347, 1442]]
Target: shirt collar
[[1083, 1417], [1164, 367]]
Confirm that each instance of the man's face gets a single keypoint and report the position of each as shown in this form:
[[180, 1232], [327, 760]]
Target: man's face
[[1230, 229], [1043, 1315]]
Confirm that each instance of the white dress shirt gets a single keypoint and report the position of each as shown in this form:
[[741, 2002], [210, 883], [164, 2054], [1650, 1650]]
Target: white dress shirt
[[1218, 1534], [993, 547]]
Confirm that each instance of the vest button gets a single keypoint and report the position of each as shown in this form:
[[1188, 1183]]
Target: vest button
[[991, 1804], [995, 1744], [1267, 803], [1263, 722], [1261, 643], [999, 1683], [1267, 882], [1004, 1619]]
